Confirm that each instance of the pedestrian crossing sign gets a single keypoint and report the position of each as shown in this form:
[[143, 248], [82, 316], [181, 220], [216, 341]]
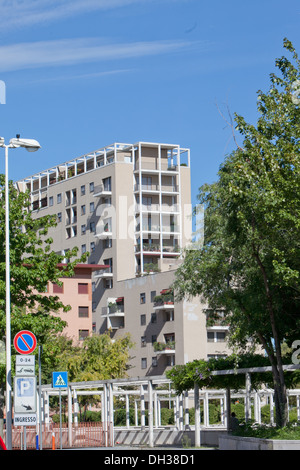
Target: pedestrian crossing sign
[[59, 379]]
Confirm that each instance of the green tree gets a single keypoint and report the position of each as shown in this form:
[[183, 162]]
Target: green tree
[[32, 266], [249, 263], [99, 358]]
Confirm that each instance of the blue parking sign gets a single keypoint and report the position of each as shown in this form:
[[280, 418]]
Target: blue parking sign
[[59, 379]]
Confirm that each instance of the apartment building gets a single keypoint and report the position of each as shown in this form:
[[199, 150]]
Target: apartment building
[[76, 291], [129, 206]]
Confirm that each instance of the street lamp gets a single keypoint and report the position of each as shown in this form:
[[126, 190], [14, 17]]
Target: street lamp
[[31, 146]]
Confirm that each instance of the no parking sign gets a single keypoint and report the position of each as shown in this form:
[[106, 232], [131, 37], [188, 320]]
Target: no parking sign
[[25, 342]]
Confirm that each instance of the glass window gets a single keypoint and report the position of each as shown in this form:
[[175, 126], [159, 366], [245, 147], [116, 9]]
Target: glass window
[[83, 288], [83, 312], [144, 363]]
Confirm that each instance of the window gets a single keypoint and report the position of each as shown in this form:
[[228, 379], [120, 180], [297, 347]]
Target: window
[[216, 336], [83, 312], [143, 342], [220, 336], [153, 339], [93, 286], [83, 288], [92, 226], [51, 201], [153, 318], [92, 206], [170, 315], [154, 361], [83, 229], [59, 198], [92, 187], [107, 243], [82, 334], [83, 248], [144, 363], [83, 210], [107, 184], [82, 190], [58, 289], [143, 319], [153, 294], [59, 217], [143, 298], [93, 247]]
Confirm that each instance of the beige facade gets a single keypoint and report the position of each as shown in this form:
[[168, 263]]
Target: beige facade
[[129, 206]]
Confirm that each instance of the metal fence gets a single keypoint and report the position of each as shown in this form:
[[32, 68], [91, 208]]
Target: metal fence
[[80, 435]]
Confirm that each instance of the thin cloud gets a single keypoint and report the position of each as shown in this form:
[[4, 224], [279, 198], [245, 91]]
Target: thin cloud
[[28, 12], [82, 76], [66, 52]]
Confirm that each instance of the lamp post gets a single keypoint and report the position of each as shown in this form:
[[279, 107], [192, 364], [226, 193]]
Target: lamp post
[[31, 146]]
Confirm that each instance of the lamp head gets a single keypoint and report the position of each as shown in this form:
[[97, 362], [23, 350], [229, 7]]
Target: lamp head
[[1, 141], [31, 145]]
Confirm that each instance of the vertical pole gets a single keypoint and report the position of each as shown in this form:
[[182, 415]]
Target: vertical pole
[[150, 412], [228, 408], [25, 441], [8, 327], [127, 411], [248, 397], [60, 423], [70, 421], [186, 410], [197, 415], [142, 407], [40, 400]]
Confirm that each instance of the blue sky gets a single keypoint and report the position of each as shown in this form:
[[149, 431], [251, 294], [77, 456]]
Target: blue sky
[[82, 74]]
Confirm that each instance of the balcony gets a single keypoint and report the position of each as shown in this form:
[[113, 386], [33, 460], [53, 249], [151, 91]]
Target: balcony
[[105, 273], [167, 348], [164, 301], [102, 190], [156, 188], [106, 232]]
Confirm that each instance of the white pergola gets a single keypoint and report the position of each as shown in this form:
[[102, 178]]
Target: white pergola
[[146, 391]]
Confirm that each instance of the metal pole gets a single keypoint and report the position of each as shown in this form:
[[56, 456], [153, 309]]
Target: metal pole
[[8, 326], [40, 399], [60, 423]]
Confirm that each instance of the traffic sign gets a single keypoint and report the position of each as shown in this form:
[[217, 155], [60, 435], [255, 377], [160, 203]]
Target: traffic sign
[[59, 379], [25, 419], [24, 394], [25, 342]]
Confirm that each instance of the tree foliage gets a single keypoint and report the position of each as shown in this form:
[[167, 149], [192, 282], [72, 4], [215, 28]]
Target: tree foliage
[[99, 358], [32, 265], [249, 264]]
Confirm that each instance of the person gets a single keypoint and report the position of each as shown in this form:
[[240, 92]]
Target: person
[[234, 422]]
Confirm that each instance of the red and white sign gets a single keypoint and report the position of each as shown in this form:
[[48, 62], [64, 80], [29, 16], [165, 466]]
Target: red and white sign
[[25, 342]]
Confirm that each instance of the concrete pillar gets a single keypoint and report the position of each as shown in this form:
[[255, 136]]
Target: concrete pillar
[[150, 413], [197, 416], [142, 407], [248, 397], [186, 410], [76, 407]]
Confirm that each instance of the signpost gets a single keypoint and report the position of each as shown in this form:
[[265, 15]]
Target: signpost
[[60, 380], [25, 396]]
